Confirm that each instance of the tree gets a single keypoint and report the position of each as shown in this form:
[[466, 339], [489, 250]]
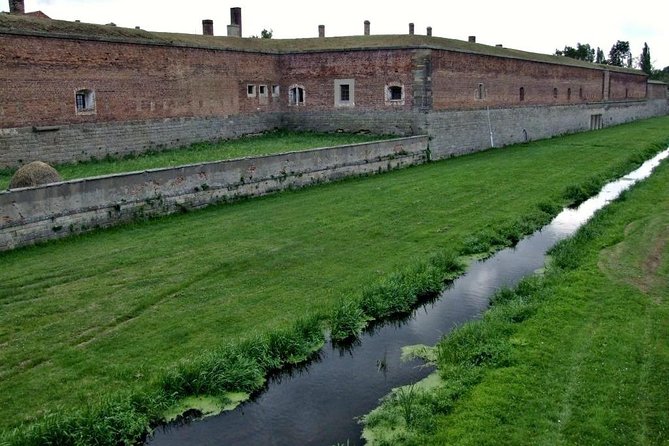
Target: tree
[[600, 57], [644, 61], [581, 52], [264, 34], [620, 54], [661, 75]]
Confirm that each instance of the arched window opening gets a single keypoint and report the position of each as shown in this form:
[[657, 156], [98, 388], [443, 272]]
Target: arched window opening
[[522, 93], [296, 95], [480, 91], [555, 93], [568, 94]]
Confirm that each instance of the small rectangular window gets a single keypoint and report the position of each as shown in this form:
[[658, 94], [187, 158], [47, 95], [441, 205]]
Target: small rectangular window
[[251, 91], [262, 90], [344, 92], [275, 90], [81, 102], [394, 93], [84, 101]]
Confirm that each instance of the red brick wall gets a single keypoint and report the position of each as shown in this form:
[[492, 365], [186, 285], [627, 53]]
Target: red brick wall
[[626, 86], [657, 91], [371, 70], [39, 77], [456, 78]]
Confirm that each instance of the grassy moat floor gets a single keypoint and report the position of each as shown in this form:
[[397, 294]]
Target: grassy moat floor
[[246, 146], [85, 319]]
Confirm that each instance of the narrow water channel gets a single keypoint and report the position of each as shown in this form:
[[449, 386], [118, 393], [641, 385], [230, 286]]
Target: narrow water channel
[[318, 403]]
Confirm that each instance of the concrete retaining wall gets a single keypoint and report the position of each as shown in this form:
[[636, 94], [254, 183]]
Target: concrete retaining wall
[[456, 132], [81, 142], [31, 215]]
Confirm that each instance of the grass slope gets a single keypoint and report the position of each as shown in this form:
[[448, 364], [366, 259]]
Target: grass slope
[[580, 356], [82, 318], [246, 146]]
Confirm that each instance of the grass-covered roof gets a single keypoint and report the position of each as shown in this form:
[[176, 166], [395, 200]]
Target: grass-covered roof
[[23, 24]]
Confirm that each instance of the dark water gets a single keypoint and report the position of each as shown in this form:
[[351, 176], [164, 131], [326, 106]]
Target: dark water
[[318, 404]]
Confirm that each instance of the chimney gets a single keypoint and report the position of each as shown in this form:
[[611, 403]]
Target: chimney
[[472, 39], [499, 45], [16, 7], [429, 31], [207, 27], [235, 26], [366, 27], [411, 29], [321, 31]]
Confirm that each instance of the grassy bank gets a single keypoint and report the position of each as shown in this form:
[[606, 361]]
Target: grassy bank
[[579, 356], [265, 144], [150, 308]]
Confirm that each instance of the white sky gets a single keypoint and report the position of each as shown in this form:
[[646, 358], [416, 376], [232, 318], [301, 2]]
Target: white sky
[[530, 25]]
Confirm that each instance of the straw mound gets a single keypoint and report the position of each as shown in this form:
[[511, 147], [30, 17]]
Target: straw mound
[[34, 174]]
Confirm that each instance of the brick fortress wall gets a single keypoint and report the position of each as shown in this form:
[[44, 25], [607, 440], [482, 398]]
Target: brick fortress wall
[[149, 96]]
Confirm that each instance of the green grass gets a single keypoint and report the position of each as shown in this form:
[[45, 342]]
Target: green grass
[[140, 307], [579, 356], [265, 144]]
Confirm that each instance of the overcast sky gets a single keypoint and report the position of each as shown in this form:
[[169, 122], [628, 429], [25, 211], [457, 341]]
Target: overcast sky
[[530, 25]]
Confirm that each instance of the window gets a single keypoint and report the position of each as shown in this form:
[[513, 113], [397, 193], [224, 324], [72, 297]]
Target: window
[[480, 92], [522, 93], [555, 93], [262, 90], [580, 93], [568, 94], [344, 91], [296, 95], [596, 122], [394, 94], [251, 91], [84, 101], [275, 90]]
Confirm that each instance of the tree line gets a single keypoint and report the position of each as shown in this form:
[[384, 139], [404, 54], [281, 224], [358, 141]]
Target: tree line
[[620, 55]]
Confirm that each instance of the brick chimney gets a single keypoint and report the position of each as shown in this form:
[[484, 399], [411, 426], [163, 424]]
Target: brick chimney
[[411, 29], [366, 27], [321, 31], [429, 31], [235, 26], [16, 7], [207, 27], [472, 39]]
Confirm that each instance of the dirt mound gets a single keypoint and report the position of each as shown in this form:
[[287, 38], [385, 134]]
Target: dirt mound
[[34, 174]]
